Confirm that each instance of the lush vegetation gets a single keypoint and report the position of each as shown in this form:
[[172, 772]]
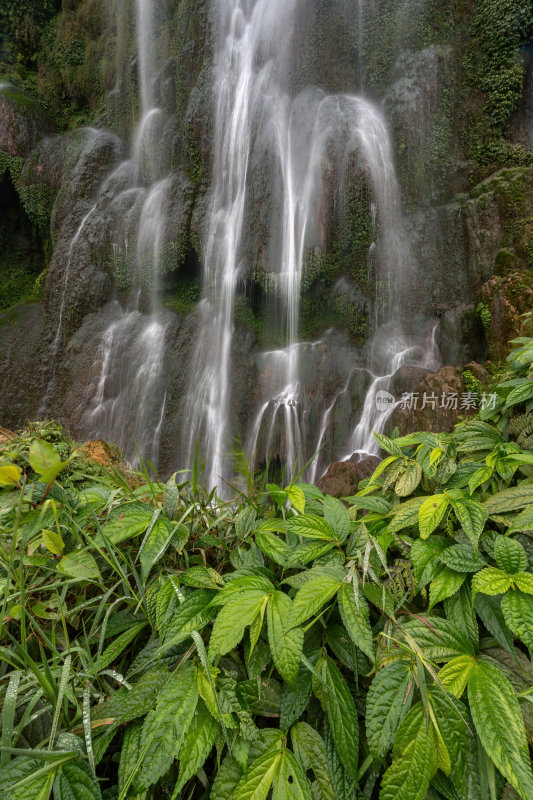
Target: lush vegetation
[[158, 642]]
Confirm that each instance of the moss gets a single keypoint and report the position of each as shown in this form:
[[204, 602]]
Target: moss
[[505, 260], [184, 296]]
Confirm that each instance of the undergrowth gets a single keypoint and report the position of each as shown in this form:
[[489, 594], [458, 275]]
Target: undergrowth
[[159, 642]]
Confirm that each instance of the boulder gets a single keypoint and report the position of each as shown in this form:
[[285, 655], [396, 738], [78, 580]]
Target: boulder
[[343, 477], [23, 121]]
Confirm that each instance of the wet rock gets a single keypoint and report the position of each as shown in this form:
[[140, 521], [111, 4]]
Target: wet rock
[[479, 372], [460, 336], [507, 298], [23, 121], [343, 477], [21, 361], [436, 405]]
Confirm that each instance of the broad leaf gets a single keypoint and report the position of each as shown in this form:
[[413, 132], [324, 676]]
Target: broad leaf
[[79, 564], [197, 745], [431, 513], [454, 675], [192, 615], [256, 784], [273, 546], [461, 559], [409, 775], [510, 555], [524, 581], [405, 515], [472, 517], [127, 521], [517, 610], [285, 642], [53, 542], [335, 513], [388, 701], [409, 479], [75, 781], [460, 612], [45, 460], [10, 474], [311, 527], [499, 724], [341, 713], [510, 499], [490, 581], [233, 618], [444, 585], [356, 619], [310, 750], [290, 781], [312, 596], [165, 727]]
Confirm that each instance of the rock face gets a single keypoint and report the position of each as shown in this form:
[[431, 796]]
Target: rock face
[[343, 477], [23, 122]]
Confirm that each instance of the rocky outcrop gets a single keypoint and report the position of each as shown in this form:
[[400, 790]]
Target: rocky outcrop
[[23, 121], [343, 477]]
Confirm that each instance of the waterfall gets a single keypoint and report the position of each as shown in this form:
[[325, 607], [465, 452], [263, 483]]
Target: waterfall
[[253, 39]]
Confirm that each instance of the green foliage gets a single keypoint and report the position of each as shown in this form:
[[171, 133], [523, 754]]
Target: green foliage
[[174, 644], [484, 314]]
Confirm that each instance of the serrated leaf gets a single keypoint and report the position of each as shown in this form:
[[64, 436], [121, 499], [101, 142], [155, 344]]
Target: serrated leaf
[[290, 781], [524, 581], [517, 610], [129, 752], [21, 769], [388, 701], [310, 750], [457, 730], [480, 476], [202, 578], [128, 704], [171, 498], [232, 619], [374, 503], [75, 781], [286, 642], [509, 554], [342, 715], [193, 615], [405, 515], [437, 638], [356, 620], [431, 513], [491, 615], [335, 513], [295, 699], [308, 551], [79, 564], [424, 556], [510, 499], [127, 521], [162, 534], [312, 596], [499, 725], [387, 444], [444, 585], [296, 498], [490, 581], [273, 546], [226, 780], [461, 559], [113, 651], [311, 527], [165, 727], [53, 542], [454, 674], [197, 745], [409, 479], [520, 394], [256, 784], [472, 517], [409, 775], [460, 612]]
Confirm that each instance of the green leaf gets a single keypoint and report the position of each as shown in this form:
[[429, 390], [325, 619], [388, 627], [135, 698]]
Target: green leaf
[[499, 725], [480, 476], [308, 551], [273, 546], [197, 745], [10, 474], [409, 479], [472, 517], [438, 639], [461, 559], [388, 701], [342, 716], [460, 612], [165, 727], [290, 781], [405, 515], [171, 498], [520, 394], [524, 581], [296, 498], [454, 674], [510, 499], [356, 620], [294, 699], [409, 775], [424, 556], [126, 521], [126, 705], [517, 610], [285, 642], [158, 540], [509, 554], [310, 750], [39, 783], [312, 596], [129, 752], [226, 780], [430, 514], [75, 781], [336, 515], [491, 615], [53, 542], [311, 527], [45, 460], [113, 651], [490, 581], [455, 726], [233, 618], [387, 444], [193, 615], [79, 564], [256, 784], [374, 503], [446, 584]]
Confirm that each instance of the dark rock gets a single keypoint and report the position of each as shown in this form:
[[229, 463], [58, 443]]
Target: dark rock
[[22, 121], [343, 477], [460, 336]]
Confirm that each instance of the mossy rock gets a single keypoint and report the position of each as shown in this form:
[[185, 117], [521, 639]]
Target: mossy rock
[[22, 121]]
